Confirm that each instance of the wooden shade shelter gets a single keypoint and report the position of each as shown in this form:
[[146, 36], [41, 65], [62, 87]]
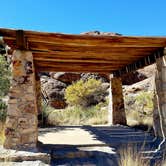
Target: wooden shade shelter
[[85, 53], [39, 51]]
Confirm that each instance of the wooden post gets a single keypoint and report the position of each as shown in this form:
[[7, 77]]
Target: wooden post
[[159, 115], [116, 106], [21, 124]]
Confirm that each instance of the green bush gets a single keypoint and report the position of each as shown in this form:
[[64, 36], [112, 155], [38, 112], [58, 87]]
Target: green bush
[[84, 93], [3, 108], [4, 86], [139, 109], [4, 77]]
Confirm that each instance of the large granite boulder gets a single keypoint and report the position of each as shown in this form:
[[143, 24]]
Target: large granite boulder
[[54, 85], [66, 77], [139, 75], [102, 77], [99, 33], [54, 91]]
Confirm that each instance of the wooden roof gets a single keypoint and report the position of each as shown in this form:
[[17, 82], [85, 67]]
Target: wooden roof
[[83, 53]]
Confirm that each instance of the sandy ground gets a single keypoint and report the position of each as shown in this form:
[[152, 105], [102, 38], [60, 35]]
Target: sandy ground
[[69, 136]]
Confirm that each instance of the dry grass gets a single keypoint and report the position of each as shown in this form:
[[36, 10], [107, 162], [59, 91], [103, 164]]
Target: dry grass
[[139, 109], [130, 156], [2, 136], [134, 118], [77, 116]]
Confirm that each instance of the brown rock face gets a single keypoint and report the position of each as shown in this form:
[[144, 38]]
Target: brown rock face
[[55, 85], [139, 75], [54, 90], [66, 77]]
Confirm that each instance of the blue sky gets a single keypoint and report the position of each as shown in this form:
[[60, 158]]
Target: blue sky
[[128, 17]]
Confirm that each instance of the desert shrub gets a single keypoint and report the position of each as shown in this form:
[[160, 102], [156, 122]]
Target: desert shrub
[[139, 109], [3, 108], [84, 93], [144, 102], [4, 77], [4, 86]]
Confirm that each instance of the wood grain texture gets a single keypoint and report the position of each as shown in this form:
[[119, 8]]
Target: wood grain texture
[[67, 52], [84, 40]]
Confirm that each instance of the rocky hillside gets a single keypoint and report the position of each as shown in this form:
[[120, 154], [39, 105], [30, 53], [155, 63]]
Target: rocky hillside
[[54, 85]]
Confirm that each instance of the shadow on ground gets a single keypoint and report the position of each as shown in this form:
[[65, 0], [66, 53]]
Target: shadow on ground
[[96, 145]]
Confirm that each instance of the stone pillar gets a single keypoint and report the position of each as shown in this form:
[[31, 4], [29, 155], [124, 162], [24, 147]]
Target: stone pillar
[[159, 115], [116, 106], [21, 123]]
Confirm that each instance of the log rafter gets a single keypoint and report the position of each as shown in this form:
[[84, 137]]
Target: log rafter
[[86, 53]]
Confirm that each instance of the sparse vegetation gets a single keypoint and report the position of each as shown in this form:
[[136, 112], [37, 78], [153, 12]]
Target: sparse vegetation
[[3, 112], [131, 156], [84, 93], [139, 109], [77, 115], [2, 136], [4, 88], [4, 77]]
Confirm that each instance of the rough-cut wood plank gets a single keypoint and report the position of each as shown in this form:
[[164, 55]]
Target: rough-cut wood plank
[[21, 40], [70, 66], [86, 57], [112, 41], [46, 47], [145, 61], [86, 52], [63, 69], [107, 41], [87, 48], [73, 60]]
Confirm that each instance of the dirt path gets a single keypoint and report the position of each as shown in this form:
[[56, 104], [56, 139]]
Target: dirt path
[[69, 136]]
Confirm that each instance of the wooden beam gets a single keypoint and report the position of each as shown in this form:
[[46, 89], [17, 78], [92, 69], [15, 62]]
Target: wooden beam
[[87, 58], [20, 40], [148, 60], [75, 67], [63, 69], [85, 48], [84, 40]]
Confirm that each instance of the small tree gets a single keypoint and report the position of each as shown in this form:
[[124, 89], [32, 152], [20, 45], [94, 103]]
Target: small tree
[[144, 102], [84, 93]]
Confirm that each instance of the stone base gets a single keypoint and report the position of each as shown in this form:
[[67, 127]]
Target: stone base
[[24, 163], [7, 155]]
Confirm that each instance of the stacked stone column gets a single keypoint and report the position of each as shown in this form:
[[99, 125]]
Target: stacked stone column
[[159, 115], [21, 124], [116, 106]]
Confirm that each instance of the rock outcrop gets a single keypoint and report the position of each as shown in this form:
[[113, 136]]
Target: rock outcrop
[[54, 85], [139, 75], [99, 33], [54, 92], [66, 77]]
